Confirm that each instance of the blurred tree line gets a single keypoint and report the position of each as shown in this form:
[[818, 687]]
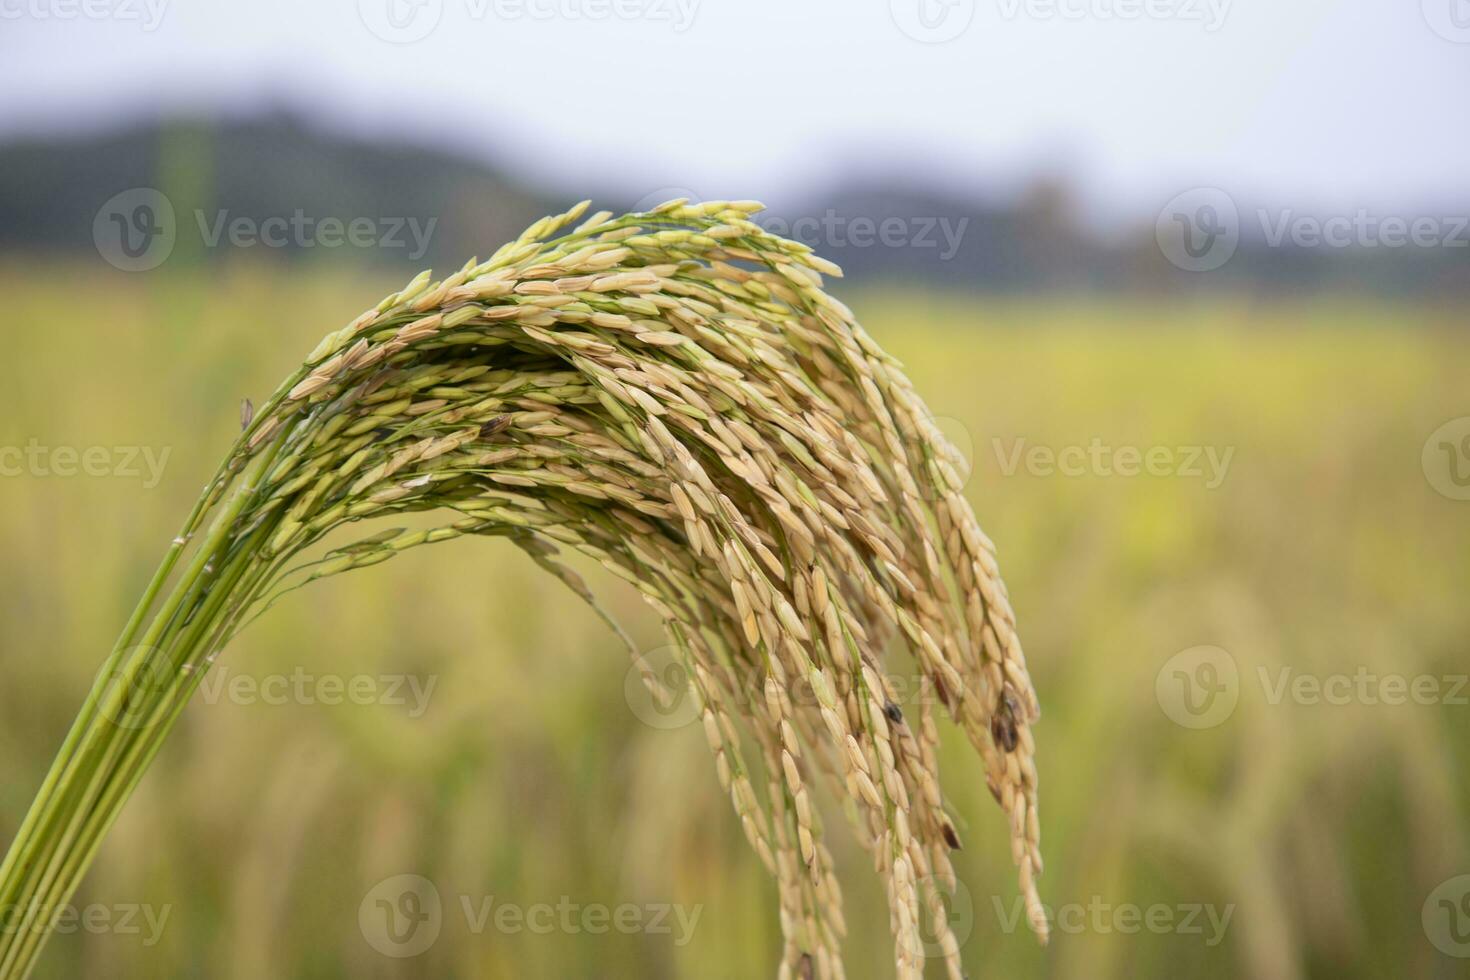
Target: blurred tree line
[[288, 189]]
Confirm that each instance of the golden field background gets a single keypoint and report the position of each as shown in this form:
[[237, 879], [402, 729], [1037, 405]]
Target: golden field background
[[1325, 831]]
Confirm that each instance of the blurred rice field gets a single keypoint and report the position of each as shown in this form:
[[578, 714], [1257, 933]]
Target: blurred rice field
[[1295, 836]]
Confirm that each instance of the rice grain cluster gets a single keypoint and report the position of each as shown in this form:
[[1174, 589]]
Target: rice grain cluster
[[673, 395]]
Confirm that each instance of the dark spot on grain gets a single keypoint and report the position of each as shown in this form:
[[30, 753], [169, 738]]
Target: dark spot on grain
[[1003, 730], [496, 425], [1003, 724]]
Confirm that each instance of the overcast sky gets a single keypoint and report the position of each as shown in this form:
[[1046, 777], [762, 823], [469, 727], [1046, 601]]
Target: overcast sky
[[1320, 104]]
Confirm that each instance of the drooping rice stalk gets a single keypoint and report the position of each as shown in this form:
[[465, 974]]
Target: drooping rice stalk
[[673, 395]]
